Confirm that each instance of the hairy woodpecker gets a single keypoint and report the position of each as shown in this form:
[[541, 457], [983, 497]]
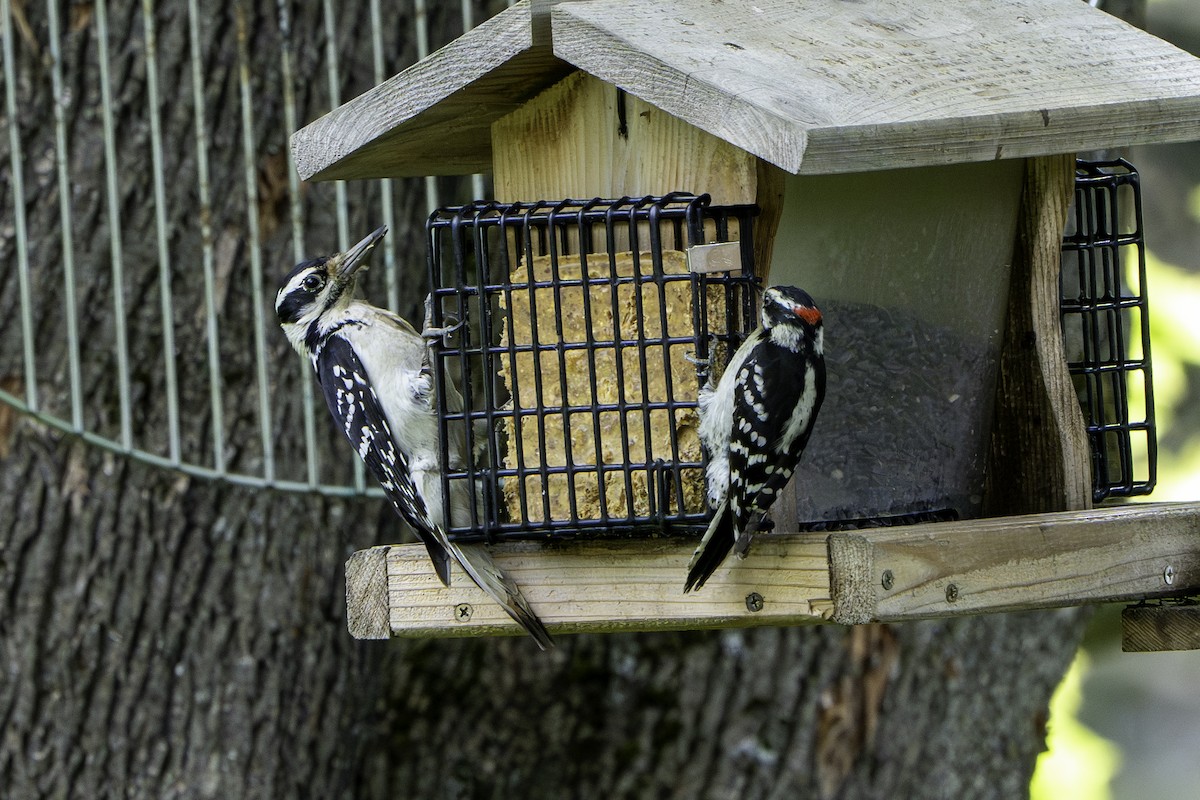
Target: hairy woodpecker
[[373, 368], [755, 423]]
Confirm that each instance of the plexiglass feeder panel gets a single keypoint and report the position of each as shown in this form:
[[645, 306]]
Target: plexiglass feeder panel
[[911, 270]]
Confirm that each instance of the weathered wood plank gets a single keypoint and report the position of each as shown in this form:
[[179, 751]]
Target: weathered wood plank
[[1016, 563], [434, 118], [809, 86], [578, 587], [816, 87], [367, 612], [939, 570], [584, 138], [1040, 459], [1148, 629]]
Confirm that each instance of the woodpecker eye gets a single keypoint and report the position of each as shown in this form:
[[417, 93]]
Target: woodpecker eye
[[313, 283]]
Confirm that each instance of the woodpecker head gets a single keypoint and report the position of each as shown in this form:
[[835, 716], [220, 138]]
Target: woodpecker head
[[792, 317], [315, 291]]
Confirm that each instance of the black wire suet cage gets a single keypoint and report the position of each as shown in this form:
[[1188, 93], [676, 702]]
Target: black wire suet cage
[[579, 335], [1106, 326]]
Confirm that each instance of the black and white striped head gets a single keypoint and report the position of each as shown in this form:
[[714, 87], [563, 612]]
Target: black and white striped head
[[315, 291], [793, 317]]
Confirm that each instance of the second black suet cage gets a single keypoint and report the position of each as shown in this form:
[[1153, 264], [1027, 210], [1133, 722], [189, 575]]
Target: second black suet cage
[[1106, 326]]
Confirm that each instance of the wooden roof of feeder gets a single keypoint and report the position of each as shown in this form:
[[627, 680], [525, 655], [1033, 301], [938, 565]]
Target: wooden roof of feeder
[[812, 87]]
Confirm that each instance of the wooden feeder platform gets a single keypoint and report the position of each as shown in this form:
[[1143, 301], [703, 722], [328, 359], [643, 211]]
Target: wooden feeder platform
[[1121, 554]]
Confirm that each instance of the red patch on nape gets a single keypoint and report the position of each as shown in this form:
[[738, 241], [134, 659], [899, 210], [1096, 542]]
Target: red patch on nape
[[809, 314]]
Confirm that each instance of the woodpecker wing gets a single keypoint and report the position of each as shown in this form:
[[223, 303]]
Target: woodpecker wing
[[356, 409], [774, 404]]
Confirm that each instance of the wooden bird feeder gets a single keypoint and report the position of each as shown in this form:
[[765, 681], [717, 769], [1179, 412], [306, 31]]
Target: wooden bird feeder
[[911, 165]]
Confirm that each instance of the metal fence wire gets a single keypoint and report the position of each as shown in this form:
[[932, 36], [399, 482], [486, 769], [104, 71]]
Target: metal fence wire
[[32, 51], [585, 335]]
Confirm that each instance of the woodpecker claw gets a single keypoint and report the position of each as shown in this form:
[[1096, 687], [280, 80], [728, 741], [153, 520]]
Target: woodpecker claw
[[703, 365], [428, 332]]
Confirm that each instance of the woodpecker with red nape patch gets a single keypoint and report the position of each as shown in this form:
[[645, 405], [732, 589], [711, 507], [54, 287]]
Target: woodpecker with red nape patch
[[755, 423], [374, 371]]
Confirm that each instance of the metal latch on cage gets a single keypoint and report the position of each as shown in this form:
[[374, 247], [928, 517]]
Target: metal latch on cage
[[717, 257]]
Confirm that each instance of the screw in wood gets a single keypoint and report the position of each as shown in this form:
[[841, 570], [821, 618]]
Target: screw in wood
[[951, 593], [754, 601], [462, 612], [889, 580]]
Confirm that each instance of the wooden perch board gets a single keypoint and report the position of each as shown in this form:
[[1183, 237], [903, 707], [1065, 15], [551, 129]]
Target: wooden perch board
[[1015, 563], [579, 587], [1153, 628]]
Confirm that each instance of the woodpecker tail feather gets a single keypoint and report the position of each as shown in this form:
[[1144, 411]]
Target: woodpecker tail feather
[[478, 563], [716, 544], [440, 557]]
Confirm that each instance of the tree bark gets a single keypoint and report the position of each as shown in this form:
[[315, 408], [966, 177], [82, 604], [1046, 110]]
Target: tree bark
[[936, 709], [164, 636]]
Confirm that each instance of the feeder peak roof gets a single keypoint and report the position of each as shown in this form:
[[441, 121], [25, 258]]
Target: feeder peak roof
[[809, 85]]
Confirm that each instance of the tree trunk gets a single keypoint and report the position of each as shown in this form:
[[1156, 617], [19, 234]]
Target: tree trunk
[[166, 636]]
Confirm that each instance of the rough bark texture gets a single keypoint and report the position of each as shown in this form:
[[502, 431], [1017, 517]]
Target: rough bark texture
[[171, 637], [923, 710]]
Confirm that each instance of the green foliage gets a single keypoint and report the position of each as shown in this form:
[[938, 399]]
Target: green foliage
[[1078, 763], [1175, 352]]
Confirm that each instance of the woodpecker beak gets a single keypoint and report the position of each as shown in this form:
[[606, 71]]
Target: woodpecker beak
[[358, 256]]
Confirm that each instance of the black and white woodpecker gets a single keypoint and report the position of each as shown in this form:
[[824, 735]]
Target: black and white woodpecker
[[373, 368], [755, 423]]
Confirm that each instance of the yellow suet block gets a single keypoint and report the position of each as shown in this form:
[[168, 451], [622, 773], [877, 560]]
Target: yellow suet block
[[629, 376]]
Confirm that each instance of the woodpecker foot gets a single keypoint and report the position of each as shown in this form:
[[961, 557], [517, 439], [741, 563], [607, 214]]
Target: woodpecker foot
[[766, 525], [703, 367], [430, 333]]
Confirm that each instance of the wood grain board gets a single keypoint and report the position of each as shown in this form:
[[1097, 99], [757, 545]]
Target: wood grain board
[[818, 87], [1040, 458], [578, 587], [1016, 563], [434, 118], [1154, 628], [808, 85], [582, 135]]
